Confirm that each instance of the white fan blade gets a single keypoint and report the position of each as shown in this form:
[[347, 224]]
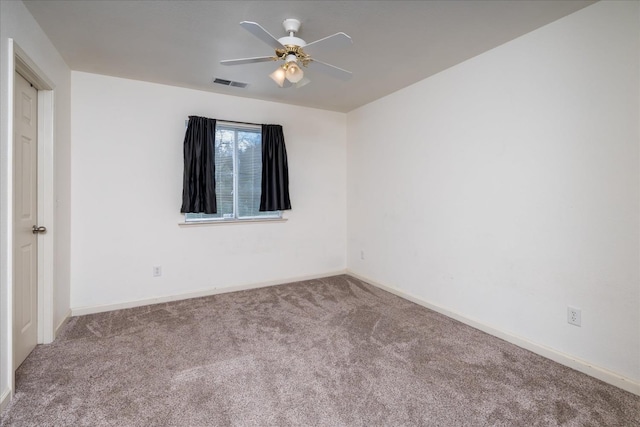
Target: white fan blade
[[336, 41], [248, 60], [331, 70], [257, 30]]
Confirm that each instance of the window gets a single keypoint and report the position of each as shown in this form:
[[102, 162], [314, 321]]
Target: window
[[238, 160]]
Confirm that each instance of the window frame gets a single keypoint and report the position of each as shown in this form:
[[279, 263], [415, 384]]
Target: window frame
[[201, 218]]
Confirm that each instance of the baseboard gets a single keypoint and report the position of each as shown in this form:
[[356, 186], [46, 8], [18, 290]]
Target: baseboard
[[5, 398], [81, 311], [63, 322], [583, 366]]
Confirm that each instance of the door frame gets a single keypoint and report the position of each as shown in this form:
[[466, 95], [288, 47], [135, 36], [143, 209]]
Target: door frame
[[21, 62]]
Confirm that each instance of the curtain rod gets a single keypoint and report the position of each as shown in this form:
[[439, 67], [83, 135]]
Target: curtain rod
[[240, 123], [232, 121]]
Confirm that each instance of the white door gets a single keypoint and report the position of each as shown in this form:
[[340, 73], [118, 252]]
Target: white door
[[25, 217]]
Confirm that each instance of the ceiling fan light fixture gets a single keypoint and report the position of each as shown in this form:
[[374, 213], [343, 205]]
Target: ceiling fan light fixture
[[294, 72], [290, 50], [278, 76]]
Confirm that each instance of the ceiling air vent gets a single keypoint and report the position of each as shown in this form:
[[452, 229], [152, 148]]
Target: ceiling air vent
[[230, 83]]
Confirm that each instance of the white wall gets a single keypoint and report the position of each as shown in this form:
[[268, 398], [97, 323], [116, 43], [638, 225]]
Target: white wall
[[507, 187], [127, 166], [18, 24]]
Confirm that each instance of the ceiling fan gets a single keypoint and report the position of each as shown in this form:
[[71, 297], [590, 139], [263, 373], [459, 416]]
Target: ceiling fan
[[291, 50]]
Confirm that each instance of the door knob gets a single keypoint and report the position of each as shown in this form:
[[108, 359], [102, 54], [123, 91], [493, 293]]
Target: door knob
[[35, 229]]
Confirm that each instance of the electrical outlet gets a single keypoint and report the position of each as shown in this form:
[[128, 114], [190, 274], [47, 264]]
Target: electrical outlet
[[157, 271], [574, 316], [361, 254]]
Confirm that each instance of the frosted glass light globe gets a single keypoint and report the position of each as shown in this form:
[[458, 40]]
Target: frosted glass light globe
[[294, 73]]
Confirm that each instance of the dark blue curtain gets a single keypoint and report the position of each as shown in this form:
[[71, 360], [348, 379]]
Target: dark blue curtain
[[275, 170], [199, 182]]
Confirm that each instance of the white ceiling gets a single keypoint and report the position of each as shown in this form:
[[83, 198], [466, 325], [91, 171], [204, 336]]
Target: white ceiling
[[180, 43]]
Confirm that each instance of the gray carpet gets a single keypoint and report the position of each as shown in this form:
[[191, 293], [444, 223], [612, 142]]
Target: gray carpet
[[327, 352]]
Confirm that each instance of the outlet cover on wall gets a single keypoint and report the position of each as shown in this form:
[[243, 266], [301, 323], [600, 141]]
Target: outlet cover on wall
[[574, 316], [157, 271]]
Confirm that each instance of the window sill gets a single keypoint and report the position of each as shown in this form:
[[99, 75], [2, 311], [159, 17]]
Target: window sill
[[230, 222]]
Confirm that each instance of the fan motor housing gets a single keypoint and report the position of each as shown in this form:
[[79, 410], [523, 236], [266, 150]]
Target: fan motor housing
[[292, 41]]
